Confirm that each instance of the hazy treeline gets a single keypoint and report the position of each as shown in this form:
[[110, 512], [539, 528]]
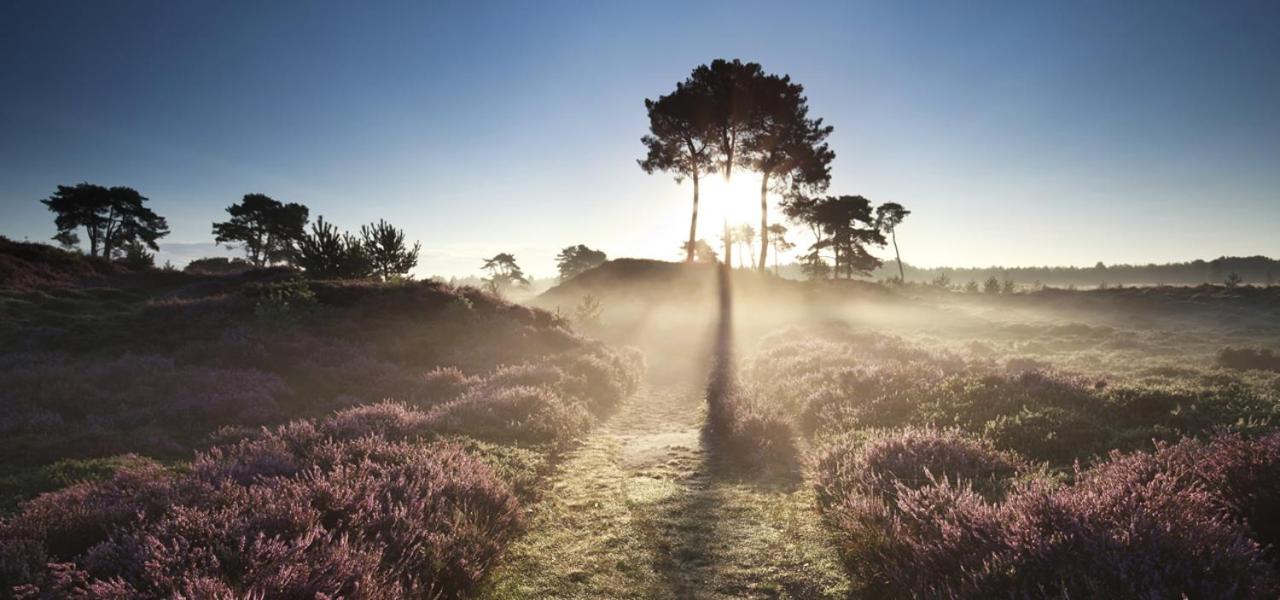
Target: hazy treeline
[[1255, 270]]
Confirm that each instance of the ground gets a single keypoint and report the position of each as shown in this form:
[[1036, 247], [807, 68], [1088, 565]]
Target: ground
[[639, 511]]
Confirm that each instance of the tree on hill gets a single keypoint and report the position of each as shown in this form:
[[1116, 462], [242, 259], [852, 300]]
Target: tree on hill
[[679, 142], [325, 253], [786, 147], [111, 217], [267, 229], [386, 250], [888, 216], [745, 234], [778, 239], [845, 225], [576, 259], [134, 254], [703, 252], [68, 240], [503, 273]]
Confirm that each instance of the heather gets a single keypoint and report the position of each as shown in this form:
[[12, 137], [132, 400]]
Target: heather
[[955, 470], [1139, 525], [309, 509]]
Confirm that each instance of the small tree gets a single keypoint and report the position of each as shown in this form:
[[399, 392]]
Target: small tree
[[1233, 280], [703, 252], [575, 259], [384, 247], [111, 217], [267, 229], [679, 142], [503, 273], [1008, 286], [68, 240], [588, 313], [745, 234], [888, 216], [778, 240], [814, 266], [991, 285], [134, 255], [324, 253]]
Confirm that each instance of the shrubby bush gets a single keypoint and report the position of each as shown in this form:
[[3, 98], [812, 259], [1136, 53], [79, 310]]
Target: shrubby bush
[[339, 508], [877, 465], [1263, 359]]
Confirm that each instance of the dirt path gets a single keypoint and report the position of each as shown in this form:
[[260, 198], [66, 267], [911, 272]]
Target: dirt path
[[637, 512]]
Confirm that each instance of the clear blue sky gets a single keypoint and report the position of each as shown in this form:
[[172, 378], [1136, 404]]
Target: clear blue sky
[[1019, 133]]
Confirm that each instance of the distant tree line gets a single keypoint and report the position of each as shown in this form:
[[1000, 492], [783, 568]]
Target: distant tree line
[[1255, 270], [120, 227]]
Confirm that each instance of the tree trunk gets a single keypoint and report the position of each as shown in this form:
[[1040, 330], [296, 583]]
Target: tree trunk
[[901, 277], [728, 246], [693, 221], [764, 220]]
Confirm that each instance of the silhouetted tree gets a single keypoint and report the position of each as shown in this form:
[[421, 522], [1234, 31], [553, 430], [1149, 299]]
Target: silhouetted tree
[[730, 89], [702, 251], [133, 254], [1233, 280], [111, 217], [67, 240], [785, 146], [843, 224], [745, 234], [503, 273], [679, 142], [268, 230], [778, 239], [814, 266], [385, 248], [325, 253], [888, 216], [576, 259]]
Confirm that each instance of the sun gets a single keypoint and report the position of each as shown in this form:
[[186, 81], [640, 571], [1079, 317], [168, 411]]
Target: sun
[[735, 201]]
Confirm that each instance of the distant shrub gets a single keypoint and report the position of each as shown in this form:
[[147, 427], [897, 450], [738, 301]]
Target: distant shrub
[[282, 302], [1244, 359], [362, 517], [217, 265]]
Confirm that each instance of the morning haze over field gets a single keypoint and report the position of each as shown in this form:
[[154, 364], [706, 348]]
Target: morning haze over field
[[639, 300]]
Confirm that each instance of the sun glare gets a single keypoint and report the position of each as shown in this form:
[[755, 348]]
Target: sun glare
[[736, 200]]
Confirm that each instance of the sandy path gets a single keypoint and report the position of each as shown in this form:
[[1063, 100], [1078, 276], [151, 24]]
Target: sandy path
[[636, 512]]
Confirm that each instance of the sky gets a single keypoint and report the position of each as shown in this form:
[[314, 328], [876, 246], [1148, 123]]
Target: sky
[[1020, 133]]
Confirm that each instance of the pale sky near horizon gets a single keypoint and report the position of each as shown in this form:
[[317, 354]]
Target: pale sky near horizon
[[1019, 133]]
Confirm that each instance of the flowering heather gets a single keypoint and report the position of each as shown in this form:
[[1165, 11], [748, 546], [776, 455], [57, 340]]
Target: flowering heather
[[1138, 525], [293, 513], [911, 458], [57, 393]]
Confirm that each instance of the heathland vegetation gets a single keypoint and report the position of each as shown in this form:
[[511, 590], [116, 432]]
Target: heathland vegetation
[[311, 421]]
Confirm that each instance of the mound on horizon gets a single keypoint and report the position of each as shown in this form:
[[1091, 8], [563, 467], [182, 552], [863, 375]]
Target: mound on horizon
[[640, 280]]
